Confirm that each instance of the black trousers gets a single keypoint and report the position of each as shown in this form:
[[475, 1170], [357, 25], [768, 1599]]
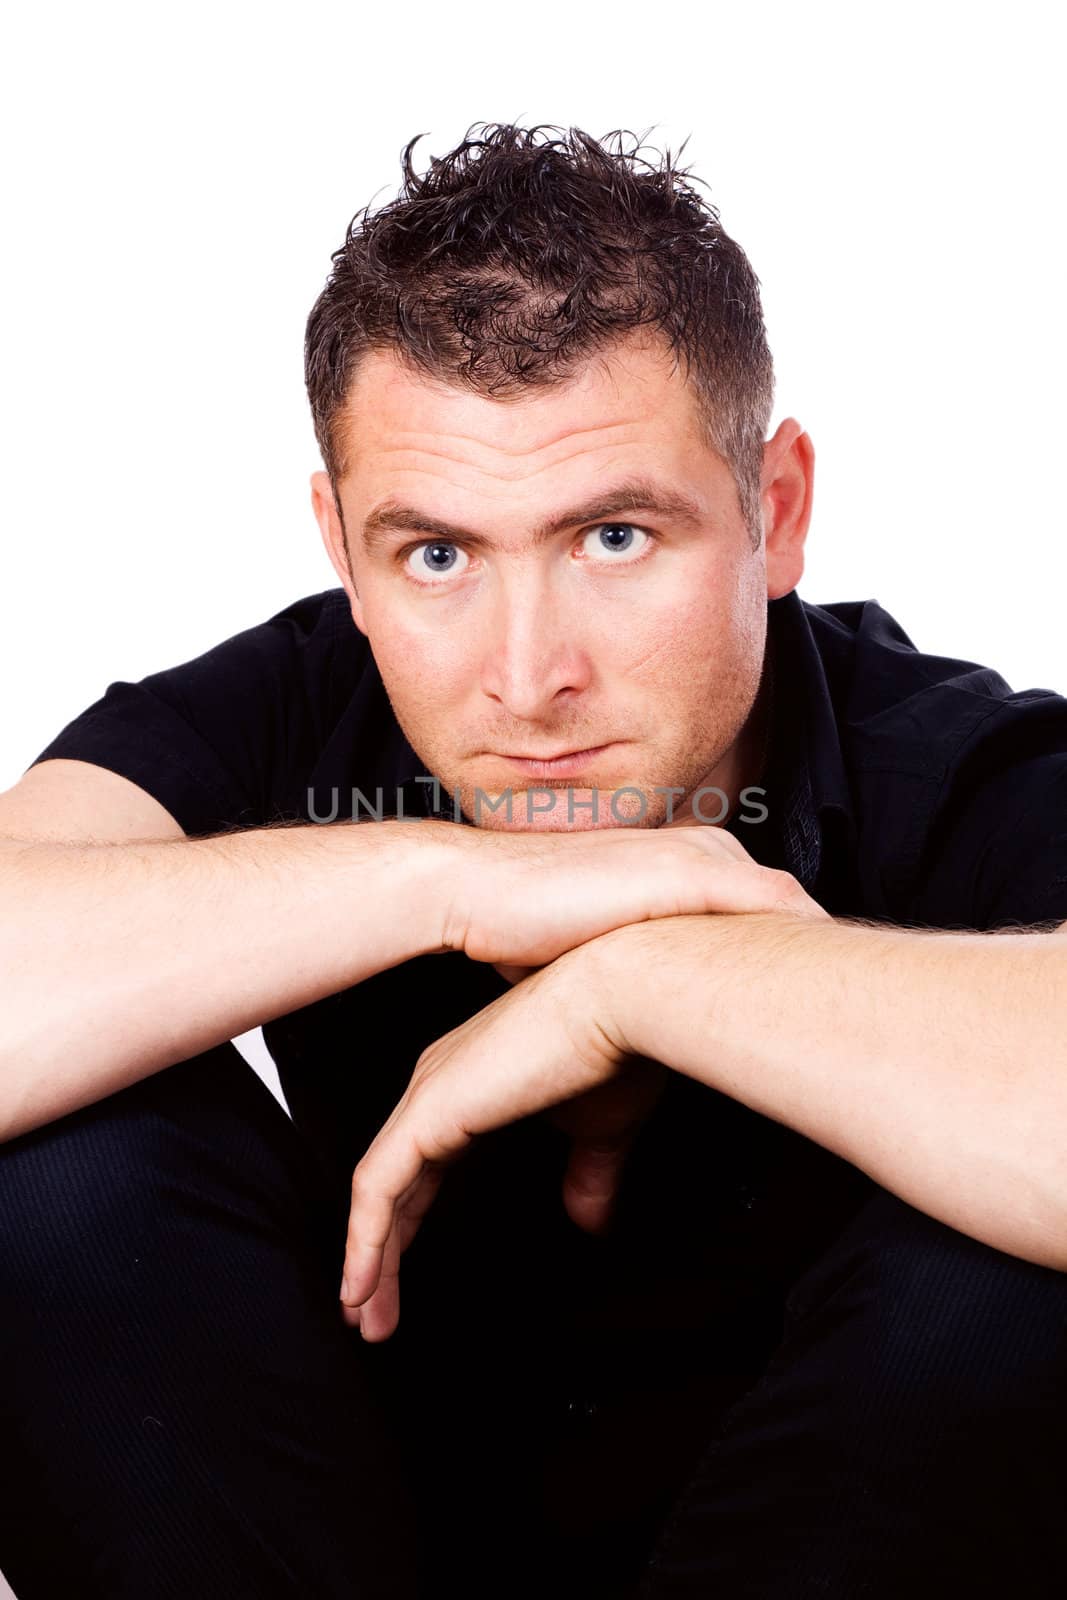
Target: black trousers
[[802, 1386]]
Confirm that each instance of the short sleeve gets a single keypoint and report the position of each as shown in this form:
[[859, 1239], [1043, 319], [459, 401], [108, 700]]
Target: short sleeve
[[1002, 860], [214, 739]]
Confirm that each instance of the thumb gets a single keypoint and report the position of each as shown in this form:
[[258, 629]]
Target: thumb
[[591, 1181], [513, 974]]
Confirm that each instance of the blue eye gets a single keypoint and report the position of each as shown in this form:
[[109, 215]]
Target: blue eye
[[428, 563], [615, 543]]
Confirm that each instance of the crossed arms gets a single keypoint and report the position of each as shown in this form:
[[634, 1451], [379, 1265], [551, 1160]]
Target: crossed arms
[[936, 1062], [933, 1061]]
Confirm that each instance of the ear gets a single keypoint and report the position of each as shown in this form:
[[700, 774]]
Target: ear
[[328, 518], [786, 491]]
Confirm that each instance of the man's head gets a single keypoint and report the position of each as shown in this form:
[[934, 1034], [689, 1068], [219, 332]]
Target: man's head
[[541, 384]]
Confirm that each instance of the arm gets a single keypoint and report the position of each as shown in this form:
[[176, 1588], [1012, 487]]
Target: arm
[[123, 955], [936, 1062], [119, 959]]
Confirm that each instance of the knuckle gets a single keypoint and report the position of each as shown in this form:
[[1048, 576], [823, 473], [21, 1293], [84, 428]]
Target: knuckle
[[785, 888], [777, 880], [729, 845], [362, 1188]]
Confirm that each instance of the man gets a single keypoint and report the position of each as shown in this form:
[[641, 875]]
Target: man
[[622, 927]]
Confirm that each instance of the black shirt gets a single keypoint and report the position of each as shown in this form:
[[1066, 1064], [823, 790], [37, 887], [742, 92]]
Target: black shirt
[[907, 787], [901, 787]]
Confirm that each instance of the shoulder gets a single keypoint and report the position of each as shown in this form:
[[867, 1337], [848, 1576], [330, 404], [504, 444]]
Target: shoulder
[[959, 780], [308, 631], [309, 654], [225, 737], [938, 718]]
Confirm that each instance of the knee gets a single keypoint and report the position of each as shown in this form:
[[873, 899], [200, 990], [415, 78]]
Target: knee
[[942, 1324], [181, 1186], [90, 1189], [72, 1191]]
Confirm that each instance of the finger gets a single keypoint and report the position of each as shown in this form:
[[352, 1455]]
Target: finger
[[370, 1223], [389, 1171], [591, 1182], [743, 886], [379, 1315], [513, 974], [374, 1324], [371, 1219], [420, 1201], [365, 1261], [738, 884]]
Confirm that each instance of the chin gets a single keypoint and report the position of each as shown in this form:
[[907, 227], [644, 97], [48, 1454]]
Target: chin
[[567, 815], [543, 824]]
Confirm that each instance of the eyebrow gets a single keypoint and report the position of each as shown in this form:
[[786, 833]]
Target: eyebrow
[[635, 494]]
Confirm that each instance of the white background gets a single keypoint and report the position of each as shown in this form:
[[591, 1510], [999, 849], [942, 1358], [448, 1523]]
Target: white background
[[177, 178]]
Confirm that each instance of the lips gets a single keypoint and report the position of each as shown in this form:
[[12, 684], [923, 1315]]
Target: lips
[[560, 766], [561, 755]]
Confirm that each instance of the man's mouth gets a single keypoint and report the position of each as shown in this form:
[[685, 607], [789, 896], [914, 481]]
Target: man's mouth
[[564, 764]]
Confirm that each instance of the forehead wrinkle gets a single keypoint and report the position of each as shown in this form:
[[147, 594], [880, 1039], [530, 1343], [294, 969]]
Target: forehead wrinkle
[[404, 443], [493, 489]]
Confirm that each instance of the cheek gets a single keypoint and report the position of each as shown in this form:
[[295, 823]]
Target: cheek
[[680, 643], [423, 671]]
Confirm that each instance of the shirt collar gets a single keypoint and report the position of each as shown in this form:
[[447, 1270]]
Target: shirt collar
[[806, 774]]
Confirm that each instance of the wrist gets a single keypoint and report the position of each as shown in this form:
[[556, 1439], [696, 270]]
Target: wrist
[[614, 970], [430, 870], [403, 870]]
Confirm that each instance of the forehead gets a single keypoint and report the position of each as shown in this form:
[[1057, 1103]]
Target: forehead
[[630, 397]]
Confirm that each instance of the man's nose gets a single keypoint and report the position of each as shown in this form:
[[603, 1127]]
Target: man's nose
[[533, 649]]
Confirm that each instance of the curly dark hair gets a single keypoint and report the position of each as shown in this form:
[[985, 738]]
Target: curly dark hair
[[525, 249]]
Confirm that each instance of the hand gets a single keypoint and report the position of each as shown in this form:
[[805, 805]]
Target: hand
[[547, 1042], [520, 900], [603, 1091], [600, 1142], [602, 1124]]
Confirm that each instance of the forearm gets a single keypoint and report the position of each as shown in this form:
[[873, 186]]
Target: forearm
[[120, 959], [936, 1062]]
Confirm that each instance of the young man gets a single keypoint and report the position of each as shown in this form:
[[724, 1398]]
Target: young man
[[622, 928]]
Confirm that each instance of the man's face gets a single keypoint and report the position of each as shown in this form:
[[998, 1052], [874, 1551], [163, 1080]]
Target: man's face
[[566, 572]]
